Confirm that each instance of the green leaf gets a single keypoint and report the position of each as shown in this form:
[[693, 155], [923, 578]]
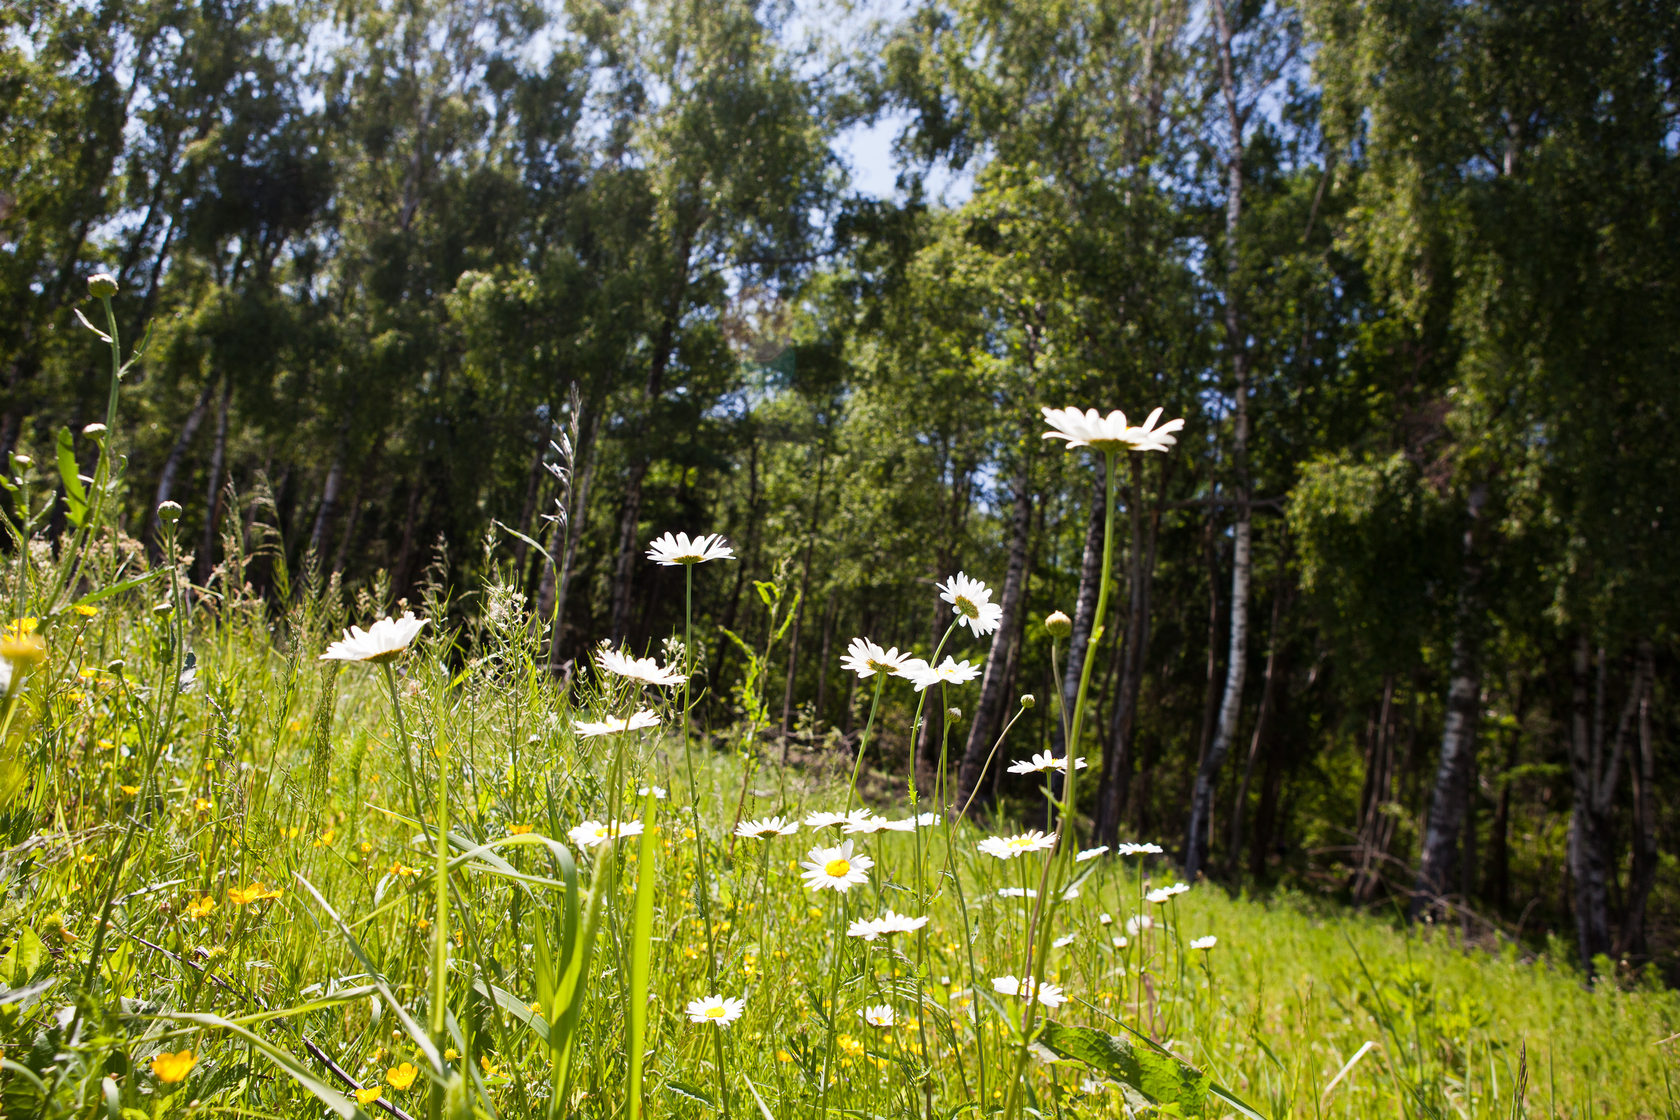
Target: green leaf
[[1152, 1072], [74, 492], [683, 1089], [118, 588]]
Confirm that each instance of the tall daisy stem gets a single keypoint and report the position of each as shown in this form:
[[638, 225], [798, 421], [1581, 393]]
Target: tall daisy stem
[[702, 889], [1038, 931], [863, 743]]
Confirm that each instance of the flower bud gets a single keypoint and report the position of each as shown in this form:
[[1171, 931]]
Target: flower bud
[[102, 285], [23, 462], [1028, 700], [169, 512], [1059, 625], [163, 608], [953, 714]]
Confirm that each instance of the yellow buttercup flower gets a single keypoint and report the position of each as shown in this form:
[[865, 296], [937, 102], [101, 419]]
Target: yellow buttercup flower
[[368, 1095], [170, 1068], [520, 829], [129, 791], [201, 906], [85, 610], [253, 893], [401, 1077]]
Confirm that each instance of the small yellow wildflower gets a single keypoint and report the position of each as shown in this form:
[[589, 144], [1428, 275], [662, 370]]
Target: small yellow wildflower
[[202, 804], [253, 893], [170, 1068], [201, 906], [783, 1056], [520, 829], [85, 610], [368, 1095], [402, 871], [451, 1054], [401, 1077], [129, 791], [325, 838]]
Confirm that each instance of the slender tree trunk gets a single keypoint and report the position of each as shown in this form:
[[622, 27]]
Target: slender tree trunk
[[329, 498], [1117, 760], [1084, 610], [1458, 731], [1589, 862], [1499, 837], [213, 488], [1645, 853], [528, 512], [1374, 830], [1236, 343], [178, 452], [629, 524], [988, 712], [411, 525], [829, 617], [1262, 729]]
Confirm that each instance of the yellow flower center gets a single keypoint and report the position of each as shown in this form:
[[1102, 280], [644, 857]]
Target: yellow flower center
[[837, 868], [967, 608], [716, 1012], [1019, 842]]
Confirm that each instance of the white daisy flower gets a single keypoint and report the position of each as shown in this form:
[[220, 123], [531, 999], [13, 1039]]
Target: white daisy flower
[[1111, 432], [1065, 940], [865, 658], [385, 640], [1090, 853], [590, 833], [1137, 923], [657, 791], [871, 928], [879, 1015], [673, 550], [722, 1010], [823, 818], [1008, 847], [864, 826], [1050, 995], [644, 669], [1070, 894], [951, 671], [1044, 760], [1121, 942], [1017, 892], [1161, 894], [1139, 849], [1105, 918], [769, 826], [612, 725], [927, 820], [971, 602], [1204, 942], [837, 869]]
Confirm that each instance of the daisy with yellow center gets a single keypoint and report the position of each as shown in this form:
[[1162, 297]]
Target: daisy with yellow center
[[1008, 847], [672, 550], [865, 658], [1042, 761], [879, 1015], [1110, 433], [590, 833], [769, 826], [836, 869], [971, 602], [717, 1010], [643, 669], [385, 640], [1050, 995]]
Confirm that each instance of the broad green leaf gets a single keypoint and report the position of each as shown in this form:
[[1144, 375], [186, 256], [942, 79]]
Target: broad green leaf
[[1155, 1074], [683, 1089]]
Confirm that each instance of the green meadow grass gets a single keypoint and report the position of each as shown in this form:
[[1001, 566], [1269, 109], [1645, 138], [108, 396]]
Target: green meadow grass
[[273, 908]]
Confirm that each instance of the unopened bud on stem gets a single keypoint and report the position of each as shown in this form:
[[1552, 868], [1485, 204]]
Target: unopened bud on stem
[[102, 285], [1059, 625], [1028, 699], [169, 512]]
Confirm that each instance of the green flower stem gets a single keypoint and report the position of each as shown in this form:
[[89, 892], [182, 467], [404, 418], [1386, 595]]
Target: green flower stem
[[863, 743], [702, 890], [1038, 930]]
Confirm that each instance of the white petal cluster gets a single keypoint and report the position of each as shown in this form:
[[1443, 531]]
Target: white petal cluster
[[1008, 847], [971, 602], [383, 641], [590, 833], [674, 550], [822, 818], [1161, 894], [1050, 995], [878, 1015], [1042, 761], [643, 669], [865, 658], [950, 671], [768, 826], [1204, 942], [613, 725], [1130, 849], [1090, 853], [1110, 433], [836, 869], [720, 1010], [871, 928]]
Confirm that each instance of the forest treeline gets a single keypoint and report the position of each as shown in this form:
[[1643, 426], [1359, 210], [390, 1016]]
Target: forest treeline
[[501, 289]]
